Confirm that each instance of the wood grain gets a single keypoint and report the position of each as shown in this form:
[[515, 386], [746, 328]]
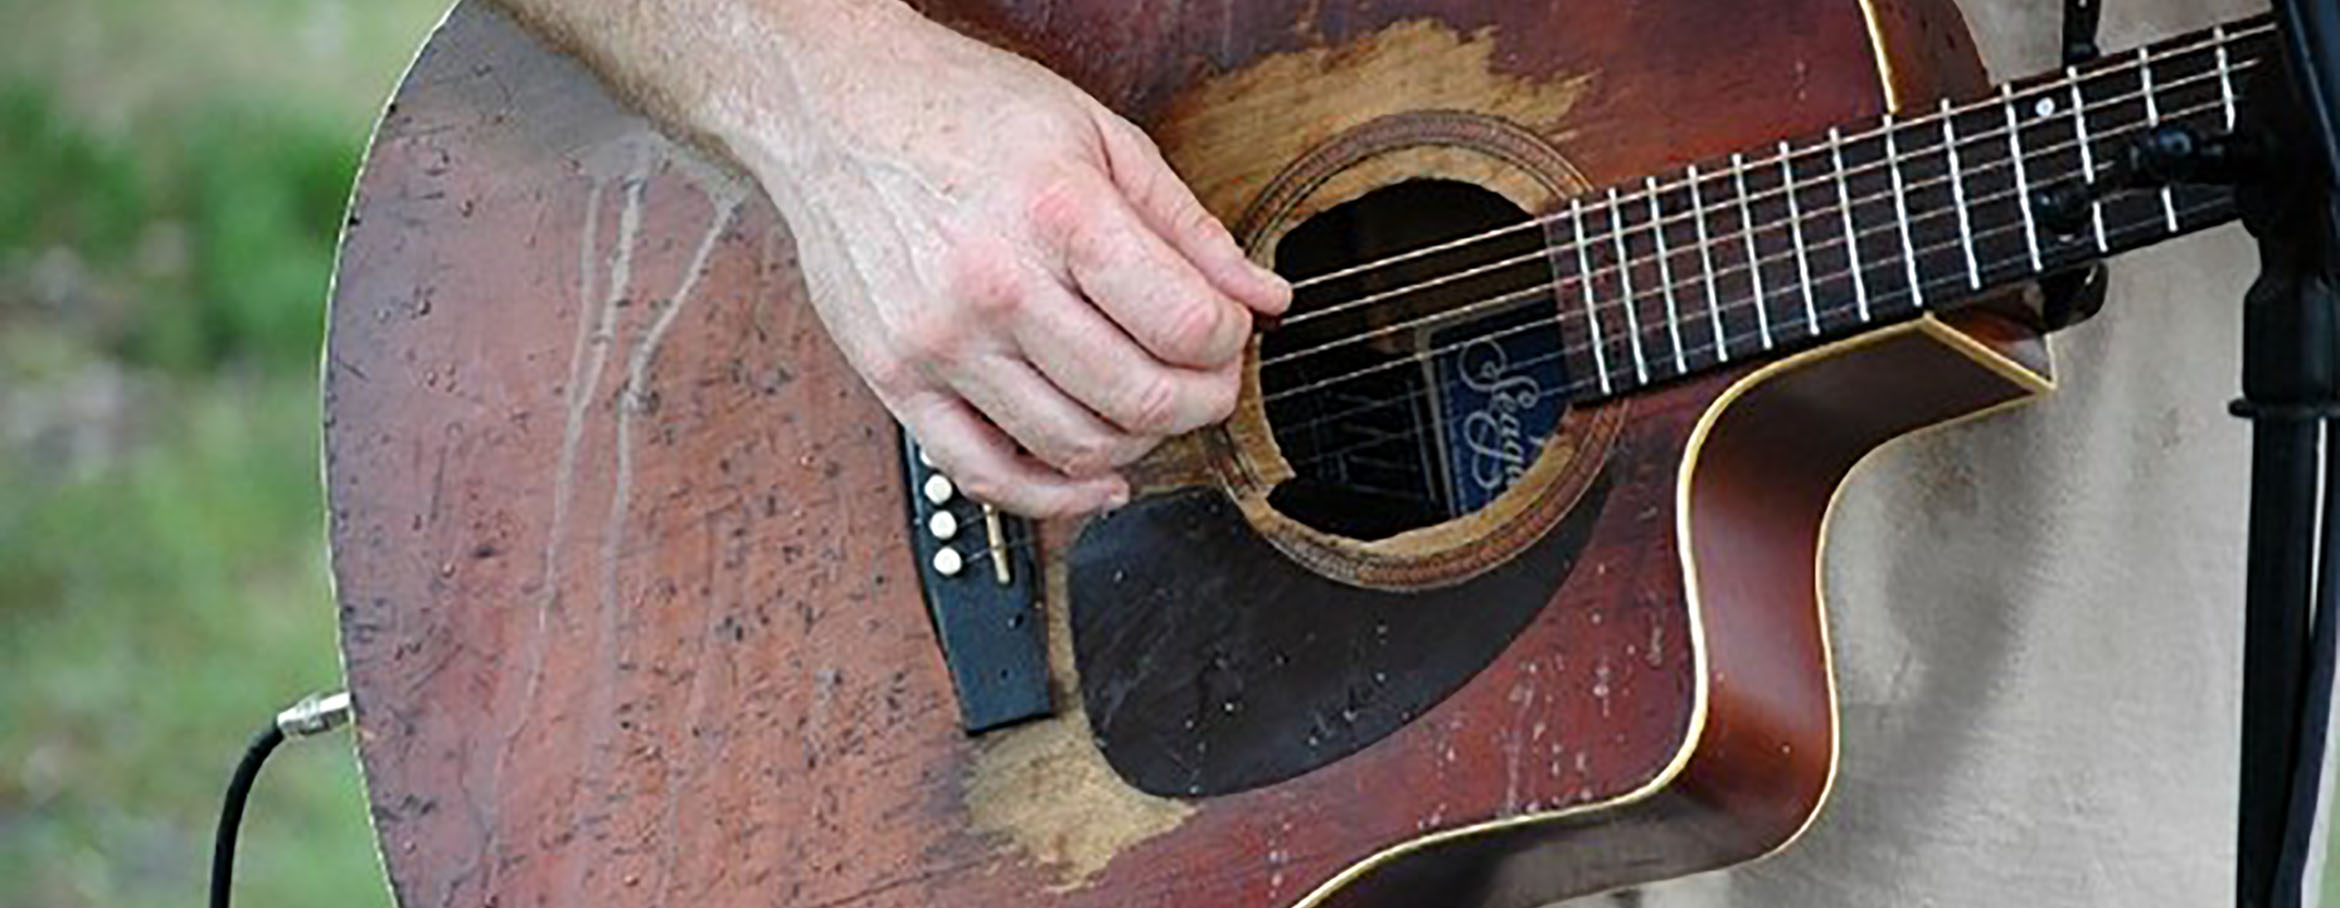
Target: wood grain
[[617, 535]]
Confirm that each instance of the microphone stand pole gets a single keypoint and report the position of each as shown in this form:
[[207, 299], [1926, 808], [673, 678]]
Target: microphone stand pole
[[2290, 348]]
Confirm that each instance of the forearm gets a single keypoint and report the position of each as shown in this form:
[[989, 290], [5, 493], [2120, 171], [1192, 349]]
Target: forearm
[[718, 72], [1016, 271]]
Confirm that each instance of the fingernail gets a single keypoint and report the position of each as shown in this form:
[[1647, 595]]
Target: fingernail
[[1118, 497], [1278, 290]]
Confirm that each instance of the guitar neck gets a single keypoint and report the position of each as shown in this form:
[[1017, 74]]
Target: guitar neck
[[1814, 238]]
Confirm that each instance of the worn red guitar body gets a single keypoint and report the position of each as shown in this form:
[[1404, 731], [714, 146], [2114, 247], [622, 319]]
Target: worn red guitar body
[[627, 603]]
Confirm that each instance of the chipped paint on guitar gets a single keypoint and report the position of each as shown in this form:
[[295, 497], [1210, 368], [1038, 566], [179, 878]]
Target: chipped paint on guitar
[[618, 541]]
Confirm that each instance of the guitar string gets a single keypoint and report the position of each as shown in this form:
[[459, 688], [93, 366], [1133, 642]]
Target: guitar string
[[2220, 39], [1583, 384], [1735, 304], [2147, 57], [1609, 209], [1987, 140], [1031, 542]]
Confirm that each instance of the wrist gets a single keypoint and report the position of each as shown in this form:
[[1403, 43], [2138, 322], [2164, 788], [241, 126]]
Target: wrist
[[793, 68]]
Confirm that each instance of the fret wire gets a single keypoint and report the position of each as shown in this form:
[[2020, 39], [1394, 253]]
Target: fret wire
[[1584, 281], [1912, 253], [2134, 229], [1803, 262], [2225, 75], [1915, 253], [2079, 128], [2153, 118], [1852, 240], [1787, 176], [1722, 351], [2022, 179], [1754, 262], [2218, 42], [1962, 172], [1573, 386], [1803, 249], [1666, 277], [1744, 302], [1755, 302], [2087, 156], [1901, 216], [1625, 281], [1958, 195]]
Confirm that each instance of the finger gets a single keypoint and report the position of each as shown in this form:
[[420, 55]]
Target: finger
[[1054, 427], [984, 463], [1090, 359], [1150, 290], [1169, 207]]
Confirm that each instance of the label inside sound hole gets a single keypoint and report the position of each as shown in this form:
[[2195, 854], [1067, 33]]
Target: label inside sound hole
[[1496, 394], [1420, 372]]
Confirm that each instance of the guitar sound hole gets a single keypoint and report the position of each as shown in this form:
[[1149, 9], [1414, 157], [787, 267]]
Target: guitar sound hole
[[1411, 394], [1212, 661]]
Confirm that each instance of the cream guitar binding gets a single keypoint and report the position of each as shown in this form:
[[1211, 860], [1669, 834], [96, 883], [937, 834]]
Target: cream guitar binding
[[634, 610]]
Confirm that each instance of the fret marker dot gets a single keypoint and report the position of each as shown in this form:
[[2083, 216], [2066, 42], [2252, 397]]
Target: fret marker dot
[[2046, 108]]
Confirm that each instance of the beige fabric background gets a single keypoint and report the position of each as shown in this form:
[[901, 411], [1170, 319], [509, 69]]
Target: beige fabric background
[[2037, 615]]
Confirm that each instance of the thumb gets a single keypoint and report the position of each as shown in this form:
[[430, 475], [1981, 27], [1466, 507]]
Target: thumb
[[1170, 209]]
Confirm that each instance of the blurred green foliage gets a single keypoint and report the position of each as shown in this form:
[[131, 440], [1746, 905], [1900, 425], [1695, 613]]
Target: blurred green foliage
[[63, 184], [172, 174], [172, 177], [162, 602], [262, 196], [249, 199], [157, 613]]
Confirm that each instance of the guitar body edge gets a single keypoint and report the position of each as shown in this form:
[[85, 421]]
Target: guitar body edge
[[616, 534], [1757, 483], [1764, 458], [1758, 487]]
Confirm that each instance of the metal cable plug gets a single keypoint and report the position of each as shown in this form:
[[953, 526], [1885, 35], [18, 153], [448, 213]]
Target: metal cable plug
[[315, 714]]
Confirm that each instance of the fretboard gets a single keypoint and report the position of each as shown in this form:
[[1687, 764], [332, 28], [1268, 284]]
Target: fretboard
[[1869, 224]]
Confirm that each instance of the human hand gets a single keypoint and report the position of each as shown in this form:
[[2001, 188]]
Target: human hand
[[1004, 260]]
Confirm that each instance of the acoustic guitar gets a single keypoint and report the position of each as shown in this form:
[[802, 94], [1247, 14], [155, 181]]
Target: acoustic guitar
[[1498, 588]]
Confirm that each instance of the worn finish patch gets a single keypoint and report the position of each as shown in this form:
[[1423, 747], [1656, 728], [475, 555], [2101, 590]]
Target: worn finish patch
[[1044, 789], [708, 680], [1231, 134]]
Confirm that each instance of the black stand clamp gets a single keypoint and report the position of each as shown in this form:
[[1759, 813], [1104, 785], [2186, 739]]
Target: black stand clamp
[[2291, 389], [2280, 162], [2075, 294]]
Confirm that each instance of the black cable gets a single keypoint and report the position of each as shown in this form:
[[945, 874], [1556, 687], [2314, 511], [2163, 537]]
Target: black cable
[[231, 813], [314, 715]]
